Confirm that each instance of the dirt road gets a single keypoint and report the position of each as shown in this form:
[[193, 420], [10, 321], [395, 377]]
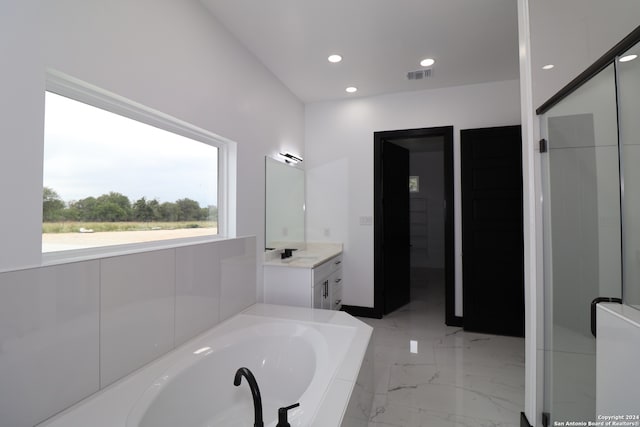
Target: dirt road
[[52, 242]]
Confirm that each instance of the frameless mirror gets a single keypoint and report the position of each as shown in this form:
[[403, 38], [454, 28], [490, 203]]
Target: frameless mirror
[[284, 200]]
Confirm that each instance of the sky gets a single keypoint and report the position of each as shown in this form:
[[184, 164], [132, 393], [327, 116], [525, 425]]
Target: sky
[[90, 152]]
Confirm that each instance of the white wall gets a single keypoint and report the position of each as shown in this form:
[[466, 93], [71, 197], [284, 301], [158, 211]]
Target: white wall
[[339, 162], [21, 132], [170, 55]]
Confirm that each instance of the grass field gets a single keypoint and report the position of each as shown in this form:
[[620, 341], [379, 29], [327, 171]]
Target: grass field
[[74, 227]]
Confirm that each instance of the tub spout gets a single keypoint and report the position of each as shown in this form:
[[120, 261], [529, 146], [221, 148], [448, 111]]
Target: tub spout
[[255, 392]]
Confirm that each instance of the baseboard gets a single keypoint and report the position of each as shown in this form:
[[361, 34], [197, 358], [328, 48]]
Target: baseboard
[[455, 321], [358, 311], [524, 422]]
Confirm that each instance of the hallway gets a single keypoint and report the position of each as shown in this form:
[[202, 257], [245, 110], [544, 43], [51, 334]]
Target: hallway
[[429, 374]]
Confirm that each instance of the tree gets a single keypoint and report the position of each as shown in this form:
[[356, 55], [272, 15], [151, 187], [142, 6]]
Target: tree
[[142, 211], [84, 209], [169, 212], [213, 213], [154, 205], [106, 207], [109, 211], [115, 206], [52, 205], [189, 210]]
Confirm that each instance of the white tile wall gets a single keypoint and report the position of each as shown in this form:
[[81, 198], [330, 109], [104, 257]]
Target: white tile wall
[[618, 352], [137, 309], [68, 330], [237, 275], [197, 290], [48, 340]]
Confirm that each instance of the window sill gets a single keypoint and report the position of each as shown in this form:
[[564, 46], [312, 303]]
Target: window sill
[[87, 254]]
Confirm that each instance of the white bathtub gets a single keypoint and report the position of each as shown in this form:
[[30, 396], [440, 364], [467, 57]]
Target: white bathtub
[[296, 355]]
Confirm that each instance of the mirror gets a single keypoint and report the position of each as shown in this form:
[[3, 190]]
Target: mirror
[[284, 200]]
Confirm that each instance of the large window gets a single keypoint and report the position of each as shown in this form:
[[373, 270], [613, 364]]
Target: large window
[[109, 179]]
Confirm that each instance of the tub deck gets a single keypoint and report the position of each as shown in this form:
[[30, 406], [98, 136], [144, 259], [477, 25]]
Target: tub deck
[[112, 406]]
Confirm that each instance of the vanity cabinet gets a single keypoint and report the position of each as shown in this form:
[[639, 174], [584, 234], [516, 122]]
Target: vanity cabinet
[[327, 289], [318, 287]]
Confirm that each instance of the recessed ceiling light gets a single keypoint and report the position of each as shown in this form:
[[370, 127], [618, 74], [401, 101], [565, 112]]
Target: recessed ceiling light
[[351, 89], [334, 58], [548, 67], [427, 62], [628, 58]]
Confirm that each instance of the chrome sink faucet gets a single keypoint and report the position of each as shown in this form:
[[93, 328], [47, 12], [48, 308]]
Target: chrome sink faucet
[[255, 392]]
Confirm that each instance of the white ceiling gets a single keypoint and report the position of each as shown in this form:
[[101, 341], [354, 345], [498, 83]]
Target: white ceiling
[[472, 41]]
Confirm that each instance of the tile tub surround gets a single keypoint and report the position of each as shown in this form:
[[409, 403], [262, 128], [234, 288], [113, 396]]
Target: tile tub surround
[[111, 407], [618, 352], [454, 378], [308, 255], [85, 324]]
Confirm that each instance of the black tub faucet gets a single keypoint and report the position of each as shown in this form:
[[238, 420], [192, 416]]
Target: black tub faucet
[[255, 392], [282, 415]]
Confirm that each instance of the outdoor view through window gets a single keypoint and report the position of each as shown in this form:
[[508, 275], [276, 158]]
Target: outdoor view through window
[[109, 180]]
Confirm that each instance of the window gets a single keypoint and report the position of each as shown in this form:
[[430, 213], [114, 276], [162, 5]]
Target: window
[[414, 184], [110, 178]]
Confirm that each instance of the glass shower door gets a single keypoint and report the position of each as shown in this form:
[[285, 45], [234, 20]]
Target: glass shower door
[[581, 237], [628, 69]]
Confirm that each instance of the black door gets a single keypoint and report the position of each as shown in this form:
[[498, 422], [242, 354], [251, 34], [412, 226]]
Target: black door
[[395, 217], [492, 237]]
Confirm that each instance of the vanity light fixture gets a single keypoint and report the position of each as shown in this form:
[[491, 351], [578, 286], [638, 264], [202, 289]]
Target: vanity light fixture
[[628, 58], [351, 89], [334, 58], [548, 67], [427, 62], [290, 158]]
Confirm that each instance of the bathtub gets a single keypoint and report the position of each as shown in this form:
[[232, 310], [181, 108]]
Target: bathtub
[[297, 355]]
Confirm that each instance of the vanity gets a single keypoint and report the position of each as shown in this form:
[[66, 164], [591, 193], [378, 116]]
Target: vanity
[[311, 274], [311, 277]]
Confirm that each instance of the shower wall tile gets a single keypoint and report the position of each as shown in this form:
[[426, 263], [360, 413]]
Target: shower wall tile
[[137, 308], [197, 290], [238, 289], [49, 347]]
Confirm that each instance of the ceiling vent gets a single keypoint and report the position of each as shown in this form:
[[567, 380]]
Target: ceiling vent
[[420, 74]]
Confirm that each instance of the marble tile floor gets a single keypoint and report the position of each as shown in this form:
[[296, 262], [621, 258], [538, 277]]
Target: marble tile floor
[[432, 375]]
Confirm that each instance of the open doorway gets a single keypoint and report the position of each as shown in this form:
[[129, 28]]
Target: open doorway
[[413, 207]]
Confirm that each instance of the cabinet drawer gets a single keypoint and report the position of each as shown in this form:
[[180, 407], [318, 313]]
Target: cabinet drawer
[[336, 297], [335, 294], [326, 268]]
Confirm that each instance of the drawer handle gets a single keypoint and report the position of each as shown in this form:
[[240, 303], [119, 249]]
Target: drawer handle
[[338, 262], [338, 280]]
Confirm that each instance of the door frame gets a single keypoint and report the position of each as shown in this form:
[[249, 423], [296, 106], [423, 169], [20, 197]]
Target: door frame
[[378, 284]]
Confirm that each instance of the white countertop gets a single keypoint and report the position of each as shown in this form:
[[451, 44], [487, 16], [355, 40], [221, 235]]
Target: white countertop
[[313, 255]]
